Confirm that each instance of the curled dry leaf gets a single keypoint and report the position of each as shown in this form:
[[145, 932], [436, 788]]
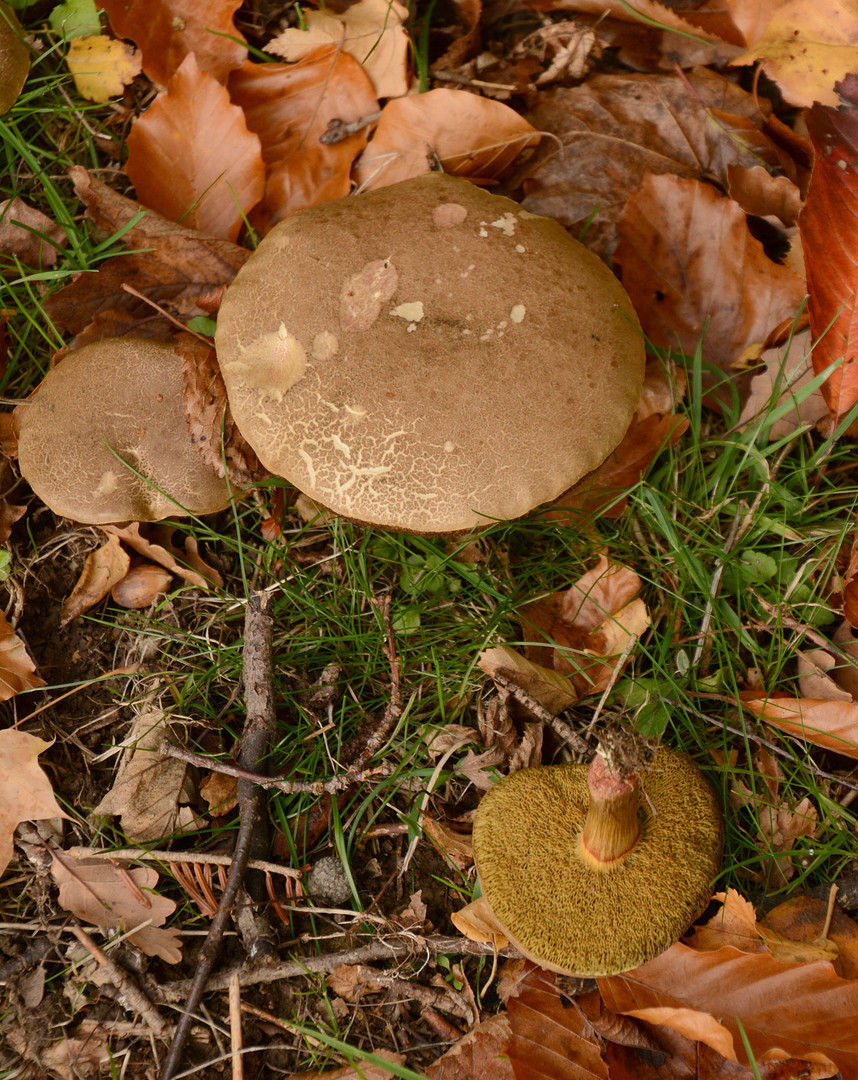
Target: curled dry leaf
[[807, 48], [735, 924], [28, 235], [17, 670], [832, 724], [104, 568], [101, 66], [295, 109], [151, 789], [371, 31], [210, 421], [144, 584], [681, 243], [763, 195], [25, 791], [192, 157], [549, 687], [469, 135], [830, 243], [14, 58], [167, 30], [155, 542], [104, 893]]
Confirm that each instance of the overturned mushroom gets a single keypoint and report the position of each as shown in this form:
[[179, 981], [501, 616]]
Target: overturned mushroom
[[104, 437], [428, 356], [589, 872]]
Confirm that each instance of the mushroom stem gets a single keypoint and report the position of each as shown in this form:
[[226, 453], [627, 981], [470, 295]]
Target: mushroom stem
[[612, 828]]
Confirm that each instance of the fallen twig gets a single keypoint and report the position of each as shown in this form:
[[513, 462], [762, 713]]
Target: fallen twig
[[560, 728]]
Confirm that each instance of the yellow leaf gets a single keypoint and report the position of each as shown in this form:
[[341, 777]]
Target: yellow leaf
[[101, 66]]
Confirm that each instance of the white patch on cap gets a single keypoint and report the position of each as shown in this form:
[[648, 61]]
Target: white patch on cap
[[271, 363], [324, 346], [516, 315], [506, 224], [412, 312]]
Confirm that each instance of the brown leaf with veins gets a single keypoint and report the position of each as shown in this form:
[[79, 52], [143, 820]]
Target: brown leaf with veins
[[176, 268], [17, 670], [469, 135], [830, 242], [687, 256], [613, 130], [28, 235], [104, 568], [192, 158], [763, 195], [25, 791], [832, 724], [167, 30], [103, 893], [291, 107], [209, 418]]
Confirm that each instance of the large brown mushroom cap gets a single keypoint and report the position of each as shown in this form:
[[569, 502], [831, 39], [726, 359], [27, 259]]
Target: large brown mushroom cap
[[572, 918], [104, 437], [428, 356]]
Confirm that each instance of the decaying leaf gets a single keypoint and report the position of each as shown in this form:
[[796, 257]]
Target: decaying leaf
[[830, 244], [28, 235], [549, 687], [83, 1052], [25, 791], [192, 158], [150, 792], [312, 120], [104, 568], [101, 66], [832, 724], [763, 195], [479, 1053], [144, 584], [802, 921], [371, 31], [104, 893], [681, 242], [807, 48], [469, 135], [782, 380], [155, 542], [14, 58], [17, 670], [167, 30]]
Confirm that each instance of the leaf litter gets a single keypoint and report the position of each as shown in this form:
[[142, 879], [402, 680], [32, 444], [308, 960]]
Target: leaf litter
[[666, 169]]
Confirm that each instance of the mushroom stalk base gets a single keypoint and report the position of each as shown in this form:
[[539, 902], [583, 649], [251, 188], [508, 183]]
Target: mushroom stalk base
[[612, 829]]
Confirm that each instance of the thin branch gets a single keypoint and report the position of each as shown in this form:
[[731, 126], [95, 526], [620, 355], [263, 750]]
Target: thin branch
[[560, 728]]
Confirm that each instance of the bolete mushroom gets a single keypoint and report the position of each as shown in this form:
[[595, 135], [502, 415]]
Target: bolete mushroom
[[428, 357], [589, 872], [104, 437]]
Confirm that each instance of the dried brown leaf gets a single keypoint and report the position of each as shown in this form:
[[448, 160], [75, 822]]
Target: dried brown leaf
[[371, 31], [14, 58], [469, 135], [734, 924], [830, 243], [291, 107], [832, 724], [28, 234], [103, 893], [363, 1071], [25, 791], [763, 195], [83, 1052], [167, 30], [144, 584], [681, 246], [478, 1055], [155, 542], [801, 919], [104, 568], [613, 130], [150, 792], [177, 267], [192, 158], [786, 371], [549, 687], [17, 670]]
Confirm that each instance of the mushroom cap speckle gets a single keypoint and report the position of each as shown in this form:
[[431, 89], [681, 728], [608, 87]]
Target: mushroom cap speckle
[[576, 920], [106, 413], [428, 356]]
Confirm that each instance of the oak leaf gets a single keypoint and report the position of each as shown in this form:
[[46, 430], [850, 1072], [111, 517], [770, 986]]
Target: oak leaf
[[192, 158], [469, 135], [167, 30], [104, 893], [25, 791]]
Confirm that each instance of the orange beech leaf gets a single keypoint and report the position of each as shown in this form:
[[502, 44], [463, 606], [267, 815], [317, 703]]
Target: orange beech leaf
[[191, 156], [830, 242], [17, 670], [804, 1010], [290, 107], [471, 136], [167, 30], [806, 48], [687, 256], [832, 724], [25, 791]]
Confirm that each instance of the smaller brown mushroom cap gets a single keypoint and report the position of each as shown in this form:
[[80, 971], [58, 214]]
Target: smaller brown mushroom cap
[[104, 437], [562, 909]]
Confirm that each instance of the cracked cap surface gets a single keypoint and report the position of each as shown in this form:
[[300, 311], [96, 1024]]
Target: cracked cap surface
[[428, 356]]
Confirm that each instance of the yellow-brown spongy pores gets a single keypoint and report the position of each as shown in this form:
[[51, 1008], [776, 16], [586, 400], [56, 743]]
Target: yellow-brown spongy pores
[[571, 918]]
